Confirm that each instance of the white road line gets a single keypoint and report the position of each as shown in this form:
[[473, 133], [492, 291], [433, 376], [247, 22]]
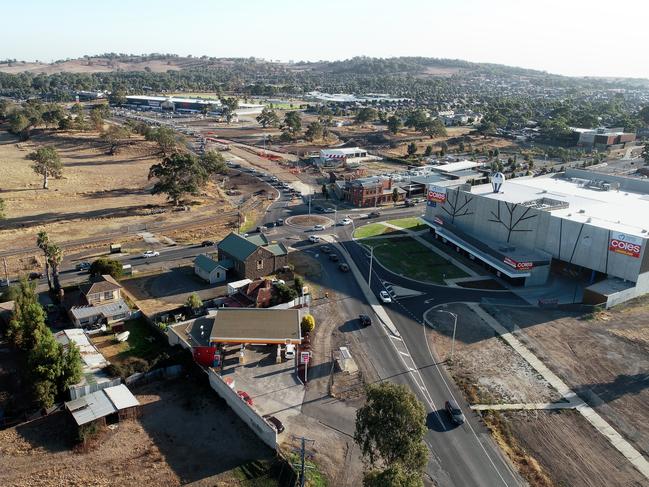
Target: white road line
[[468, 423]]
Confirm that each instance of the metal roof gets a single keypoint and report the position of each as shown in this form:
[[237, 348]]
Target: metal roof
[[91, 357], [208, 264], [90, 407], [277, 249], [121, 397], [261, 325], [107, 310], [237, 246]]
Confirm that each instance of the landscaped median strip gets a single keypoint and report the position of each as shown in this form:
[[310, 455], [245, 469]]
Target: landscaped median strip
[[600, 424]]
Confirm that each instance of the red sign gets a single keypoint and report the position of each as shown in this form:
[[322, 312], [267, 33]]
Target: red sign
[[206, 356], [436, 196], [626, 245], [520, 266]]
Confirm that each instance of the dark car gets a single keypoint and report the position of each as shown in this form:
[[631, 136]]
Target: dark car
[[269, 224], [277, 424], [207, 243], [343, 267], [334, 257], [82, 266], [325, 249], [319, 209], [280, 222], [454, 411], [374, 214], [35, 275], [364, 320]]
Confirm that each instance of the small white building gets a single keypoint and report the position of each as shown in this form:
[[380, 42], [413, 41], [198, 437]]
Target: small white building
[[334, 157]]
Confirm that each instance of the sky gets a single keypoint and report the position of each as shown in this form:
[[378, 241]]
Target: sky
[[570, 37]]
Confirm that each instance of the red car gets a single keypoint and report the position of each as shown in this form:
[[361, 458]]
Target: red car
[[245, 396]]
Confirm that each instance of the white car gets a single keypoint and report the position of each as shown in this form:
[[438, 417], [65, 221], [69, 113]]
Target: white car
[[150, 253], [314, 238], [346, 221], [385, 297], [318, 228]]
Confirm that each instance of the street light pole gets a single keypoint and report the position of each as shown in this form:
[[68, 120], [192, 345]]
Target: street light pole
[[454, 329], [369, 276]]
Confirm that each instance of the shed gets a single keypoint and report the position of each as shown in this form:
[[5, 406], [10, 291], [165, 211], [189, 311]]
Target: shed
[[211, 270], [105, 406]]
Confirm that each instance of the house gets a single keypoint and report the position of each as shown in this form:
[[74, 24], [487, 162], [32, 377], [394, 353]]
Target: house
[[100, 300], [252, 257], [260, 292], [211, 270], [93, 368], [107, 406]]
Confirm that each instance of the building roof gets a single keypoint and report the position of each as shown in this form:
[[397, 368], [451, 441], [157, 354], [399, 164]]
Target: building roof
[[620, 211], [109, 309], [277, 249], [255, 325], [121, 397], [100, 404], [208, 264], [100, 284], [259, 239], [172, 99], [452, 167], [343, 151], [237, 246], [91, 357]]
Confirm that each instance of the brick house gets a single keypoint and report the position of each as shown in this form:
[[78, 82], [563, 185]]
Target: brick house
[[252, 257], [372, 191]]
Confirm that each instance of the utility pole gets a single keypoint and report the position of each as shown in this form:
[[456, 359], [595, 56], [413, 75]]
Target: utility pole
[[302, 450], [4, 261]]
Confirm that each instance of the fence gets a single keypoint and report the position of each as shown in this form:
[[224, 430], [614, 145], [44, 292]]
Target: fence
[[301, 301], [166, 372], [255, 422]]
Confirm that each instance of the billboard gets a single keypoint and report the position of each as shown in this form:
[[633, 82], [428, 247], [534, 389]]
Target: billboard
[[624, 244], [519, 266], [436, 194]]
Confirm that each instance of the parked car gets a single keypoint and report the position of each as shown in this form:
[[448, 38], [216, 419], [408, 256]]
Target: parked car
[[374, 214], [150, 253], [364, 320], [207, 243], [385, 297], [245, 396], [35, 275], [314, 238], [346, 221], [289, 351], [334, 257], [343, 267], [318, 228], [454, 412], [276, 423], [82, 266]]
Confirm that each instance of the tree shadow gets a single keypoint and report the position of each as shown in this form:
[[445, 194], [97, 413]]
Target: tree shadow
[[53, 433]]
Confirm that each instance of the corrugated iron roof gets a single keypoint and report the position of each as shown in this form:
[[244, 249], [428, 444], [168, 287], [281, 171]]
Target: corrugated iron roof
[[90, 407], [121, 397]]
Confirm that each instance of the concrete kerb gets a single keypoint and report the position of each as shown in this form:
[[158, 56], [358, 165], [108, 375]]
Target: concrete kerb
[[599, 423], [367, 292]]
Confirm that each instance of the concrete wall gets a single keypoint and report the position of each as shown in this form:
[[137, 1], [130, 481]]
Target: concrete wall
[[578, 243], [255, 422], [641, 287]]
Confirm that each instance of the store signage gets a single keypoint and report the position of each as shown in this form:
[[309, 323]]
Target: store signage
[[624, 244], [520, 266], [436, 194]]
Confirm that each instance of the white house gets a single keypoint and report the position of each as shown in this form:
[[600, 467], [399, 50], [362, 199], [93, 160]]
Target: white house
[[211, 270]]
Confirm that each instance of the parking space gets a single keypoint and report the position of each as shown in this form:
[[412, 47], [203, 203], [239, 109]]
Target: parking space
[[273, 387]]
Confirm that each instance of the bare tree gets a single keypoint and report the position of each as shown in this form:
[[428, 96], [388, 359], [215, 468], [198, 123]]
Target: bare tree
[[509, 220], [458, 209]]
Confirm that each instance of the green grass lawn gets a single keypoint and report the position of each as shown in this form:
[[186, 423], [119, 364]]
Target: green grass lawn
[[408, 257], [373, 230], [413, 223]]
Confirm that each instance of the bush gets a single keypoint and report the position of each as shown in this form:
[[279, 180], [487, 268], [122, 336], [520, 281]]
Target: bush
[[129, 367], [307, 324]]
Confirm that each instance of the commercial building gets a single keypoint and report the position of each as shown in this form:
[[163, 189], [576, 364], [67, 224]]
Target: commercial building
[[589, 227], [180, 104], [346, 155], [603, 138]]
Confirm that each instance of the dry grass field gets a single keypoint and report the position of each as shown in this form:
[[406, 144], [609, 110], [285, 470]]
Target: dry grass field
[[98, 193]]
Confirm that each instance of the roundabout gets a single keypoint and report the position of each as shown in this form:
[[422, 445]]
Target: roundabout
[[308, 221]]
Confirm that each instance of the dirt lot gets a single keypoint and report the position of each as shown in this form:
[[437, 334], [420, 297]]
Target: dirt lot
[[186, 434], [604, 358]]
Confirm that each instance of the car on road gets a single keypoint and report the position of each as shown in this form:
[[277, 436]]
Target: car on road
[[314, 238], [334, 257], [261, 229], [364, 320], [385, 297], [318, 228], [454, 412], [343, 267], [245, 396], [346, 221], [150, 253], [82, 266], [319, 209], [280, 222], [275, 423], [207, 243], [269, 224], [34, 275], [329, 210], [374, 214], [4, 282]]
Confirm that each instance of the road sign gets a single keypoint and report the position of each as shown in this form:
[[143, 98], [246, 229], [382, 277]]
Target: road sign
[[304, 357]]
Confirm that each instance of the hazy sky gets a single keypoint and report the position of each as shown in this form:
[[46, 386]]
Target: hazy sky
[[572, 37]]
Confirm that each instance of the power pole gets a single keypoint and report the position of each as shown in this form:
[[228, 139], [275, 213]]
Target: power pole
[[4, 261], [303, 454]]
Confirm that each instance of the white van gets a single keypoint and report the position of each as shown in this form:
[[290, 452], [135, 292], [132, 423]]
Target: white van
[[289, 351]]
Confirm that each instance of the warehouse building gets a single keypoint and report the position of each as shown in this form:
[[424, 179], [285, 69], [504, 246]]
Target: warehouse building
[[585, 226], [187, 105]]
